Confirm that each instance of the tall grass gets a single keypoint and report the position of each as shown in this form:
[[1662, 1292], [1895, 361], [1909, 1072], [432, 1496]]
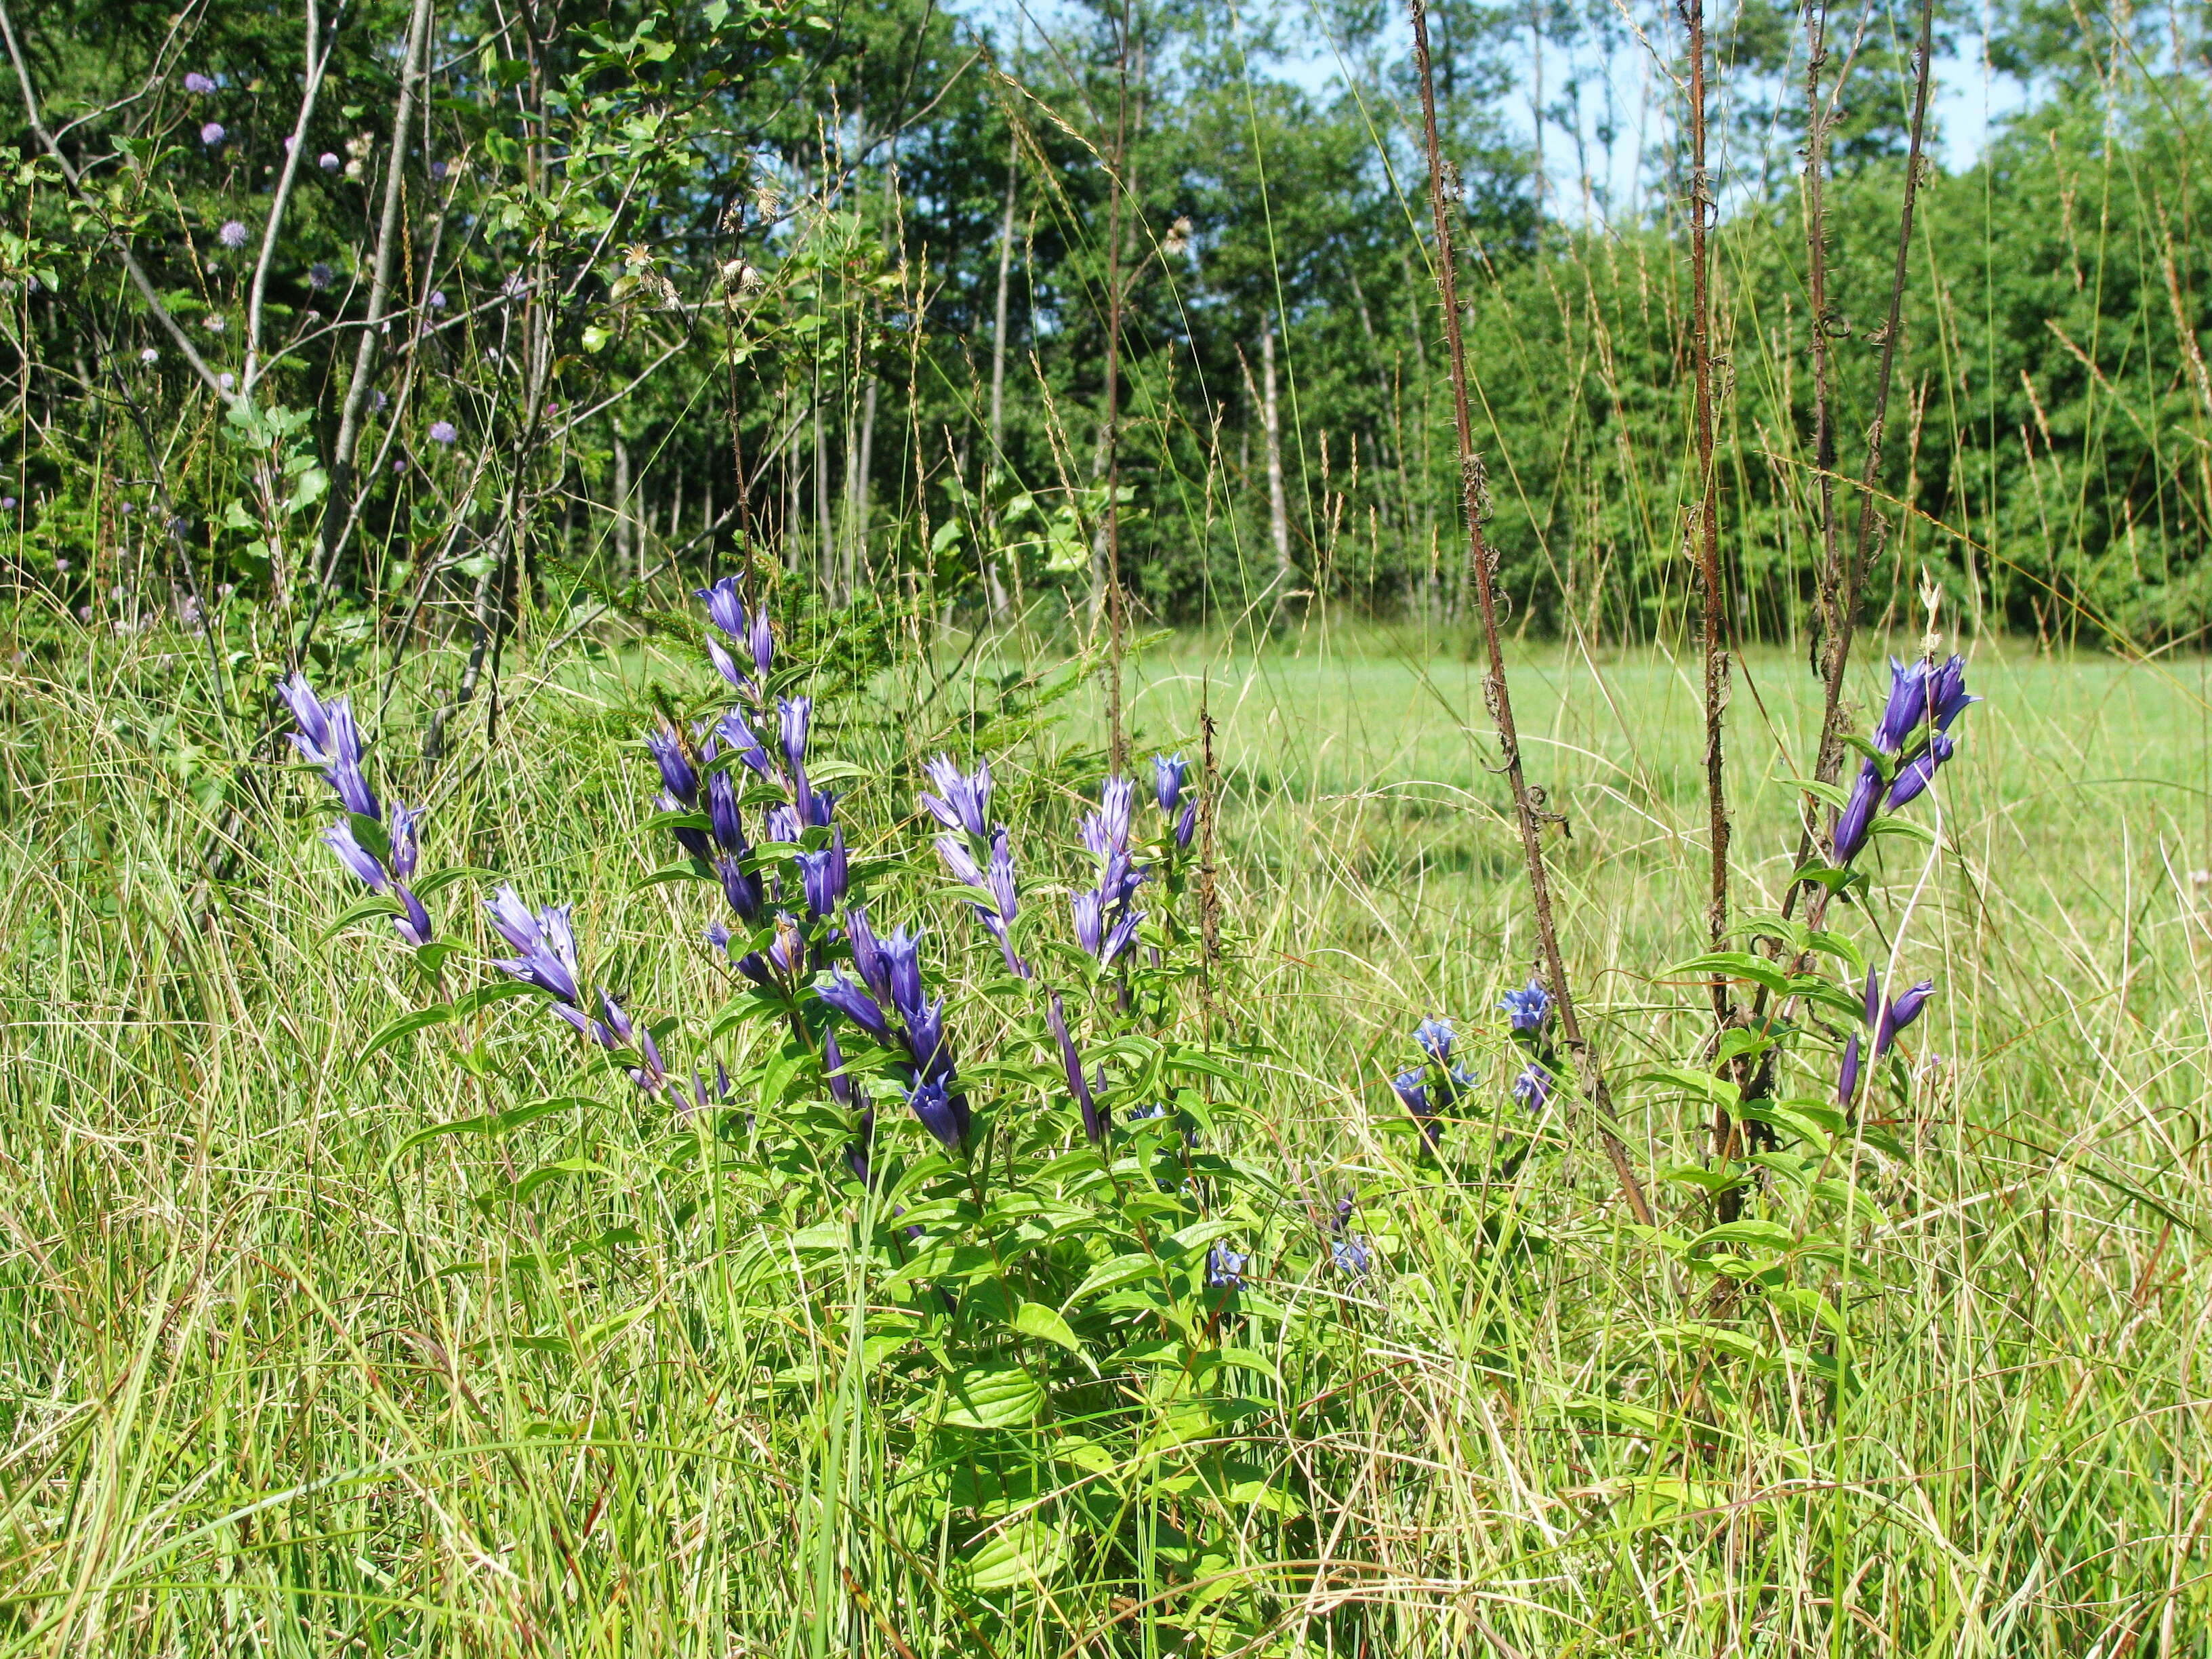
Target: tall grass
[[269, 1389]]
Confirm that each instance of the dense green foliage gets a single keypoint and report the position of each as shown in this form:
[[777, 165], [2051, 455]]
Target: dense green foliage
[[642, 253]]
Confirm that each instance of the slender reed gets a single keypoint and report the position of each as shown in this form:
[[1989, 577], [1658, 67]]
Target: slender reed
[[1837, 655], [1474, 493]]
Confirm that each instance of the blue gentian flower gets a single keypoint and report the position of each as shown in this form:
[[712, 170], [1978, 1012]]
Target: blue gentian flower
[[355, 857], [824, 875], [679, 782], [1528, 1008], [722, 813], [793, 715], [1186, 826], [943, 1113], [902, 960], [739, 736], [1225, 1268], [764, 644], [1352, 1256], [1855, 821], [1094, 1124], [328, 739], [1168, 772], [856, 1005], [1435, 1036], [741, 889], [962, 802], [1413, 1089], [1916, 775], [867, 954], [544, 942], [404, 835], [726, 666], [1533, 1088], [726, 607]]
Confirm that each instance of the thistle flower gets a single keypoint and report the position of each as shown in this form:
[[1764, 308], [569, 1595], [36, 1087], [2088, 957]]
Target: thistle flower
[[211, 134], [328, 162], [320, 276], [443, 432], [1413, 1089], [1168, 772], [962, 802], [197, 84], [1094, 1124], [1528, 1008], [545, 942], [1225, 1268], [232, 234]]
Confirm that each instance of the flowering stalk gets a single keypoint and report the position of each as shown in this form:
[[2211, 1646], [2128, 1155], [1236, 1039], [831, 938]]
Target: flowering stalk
[[328, 738], [1911, 741]]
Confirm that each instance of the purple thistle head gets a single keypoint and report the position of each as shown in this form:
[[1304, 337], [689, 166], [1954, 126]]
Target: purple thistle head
[[942, 1112], [405, 836], [197, 84], [211, 134], [443, 432], [1413, 1089], [1528, 1008], [1168, 772], [962, 802], [232, 235], [1435, 1036], [726, 607], [328, 162], [1225, 1268], [849, 1000], [824, 875], [1855, 821], [356, 857], [413, 923], [320, 276], [868, 955], [1094, 1125]]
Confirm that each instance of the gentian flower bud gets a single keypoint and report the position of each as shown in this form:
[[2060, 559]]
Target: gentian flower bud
[[962, 802], [953, 849], [824, 875], [901, 956], [1906, 1009], [793, 714], [1526, 1009], [726, 607], [1916, 775], [355, 857], [742, 889], [414, 924], [312, 740], [856, 1005], [1186, 826], [1094, 1125], [943, 1113], [729, 829], [405, 839], [868, 954], [1090, 913], [1857, 819], [833, 1064], [764, 644], [1413, 1089], [1168, 772], [1847, 1079], [739, 736], [726, 666]]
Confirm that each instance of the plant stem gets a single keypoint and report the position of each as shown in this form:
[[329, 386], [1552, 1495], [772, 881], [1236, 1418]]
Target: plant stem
[[1474, 495]]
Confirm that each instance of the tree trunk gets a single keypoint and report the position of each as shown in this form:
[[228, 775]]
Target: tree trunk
[[995, 457], [622, 561]]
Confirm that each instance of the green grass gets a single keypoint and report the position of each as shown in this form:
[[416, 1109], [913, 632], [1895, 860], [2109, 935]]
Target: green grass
[[266, 1390]]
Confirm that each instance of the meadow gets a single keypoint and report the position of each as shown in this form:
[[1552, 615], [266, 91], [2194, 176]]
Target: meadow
[[279, 1376]]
